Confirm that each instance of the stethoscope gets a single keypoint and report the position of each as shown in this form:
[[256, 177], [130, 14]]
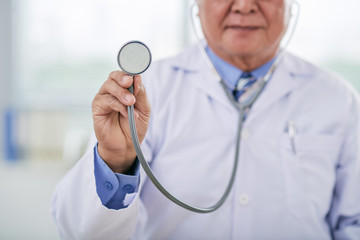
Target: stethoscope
[[134, 58]]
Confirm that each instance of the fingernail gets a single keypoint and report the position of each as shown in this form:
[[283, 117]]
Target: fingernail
[[129, 98], [126, 78]]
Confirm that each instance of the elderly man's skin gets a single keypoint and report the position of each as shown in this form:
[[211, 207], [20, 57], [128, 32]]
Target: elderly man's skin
[[245, 33]]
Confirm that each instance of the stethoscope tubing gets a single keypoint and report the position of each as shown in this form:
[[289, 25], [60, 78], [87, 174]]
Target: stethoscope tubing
[[162, 189], [241, 106]]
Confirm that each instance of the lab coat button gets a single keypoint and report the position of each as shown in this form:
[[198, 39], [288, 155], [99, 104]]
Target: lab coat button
[[108, 186], [244, 199], [245, 134], [128, 188]]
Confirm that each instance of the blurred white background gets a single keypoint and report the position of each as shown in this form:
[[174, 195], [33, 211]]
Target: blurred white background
[[55, 54]]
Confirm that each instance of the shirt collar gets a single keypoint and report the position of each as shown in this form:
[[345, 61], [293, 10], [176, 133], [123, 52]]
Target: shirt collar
[[230, 73]]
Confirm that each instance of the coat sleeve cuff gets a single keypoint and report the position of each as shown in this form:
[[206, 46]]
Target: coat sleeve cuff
[[115, 190]]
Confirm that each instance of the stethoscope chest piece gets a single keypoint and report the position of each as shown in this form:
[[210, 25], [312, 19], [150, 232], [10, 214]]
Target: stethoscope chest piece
[[134, 57]]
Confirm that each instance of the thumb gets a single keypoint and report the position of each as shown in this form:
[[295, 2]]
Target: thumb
[[142, 104]]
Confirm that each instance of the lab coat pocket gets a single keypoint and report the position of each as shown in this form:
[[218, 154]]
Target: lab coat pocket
[[308, 162]]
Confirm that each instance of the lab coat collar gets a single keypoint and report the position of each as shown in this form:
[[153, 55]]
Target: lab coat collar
[[288, 76], [201, 75]]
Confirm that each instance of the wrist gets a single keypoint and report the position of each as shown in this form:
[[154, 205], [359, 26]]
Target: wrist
[[118, 161]]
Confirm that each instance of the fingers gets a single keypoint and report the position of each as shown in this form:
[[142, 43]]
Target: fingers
[[124, 80], [138, 85], [142, 103], [105, 104], [115, 96], [117, 85]]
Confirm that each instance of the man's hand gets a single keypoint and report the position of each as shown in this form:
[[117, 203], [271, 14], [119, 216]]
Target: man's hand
[[110, 116]]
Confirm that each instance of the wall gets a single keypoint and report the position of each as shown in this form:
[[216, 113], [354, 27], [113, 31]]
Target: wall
[[5, 64]]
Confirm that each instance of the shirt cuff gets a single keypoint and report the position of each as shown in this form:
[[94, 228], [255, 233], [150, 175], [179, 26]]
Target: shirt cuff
[[115, 190]]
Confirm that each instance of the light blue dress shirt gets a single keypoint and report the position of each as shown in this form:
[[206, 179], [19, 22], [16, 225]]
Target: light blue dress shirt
[[113, 187], [230, 74]]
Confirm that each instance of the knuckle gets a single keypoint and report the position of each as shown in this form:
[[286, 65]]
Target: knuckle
[[115, 74], [110, 99], [95, 101], [114, 103], [111, 74]]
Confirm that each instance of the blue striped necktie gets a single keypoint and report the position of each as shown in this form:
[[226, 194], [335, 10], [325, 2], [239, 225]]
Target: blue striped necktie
[[244, 83]]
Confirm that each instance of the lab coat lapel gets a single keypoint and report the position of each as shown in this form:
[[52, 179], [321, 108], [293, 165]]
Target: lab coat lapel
[[283, 82], [207, 83], [201, 76]]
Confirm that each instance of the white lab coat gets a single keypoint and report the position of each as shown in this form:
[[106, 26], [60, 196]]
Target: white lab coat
[[278, 193]]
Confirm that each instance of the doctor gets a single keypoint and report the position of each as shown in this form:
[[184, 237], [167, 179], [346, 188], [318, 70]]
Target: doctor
[[299, 170]]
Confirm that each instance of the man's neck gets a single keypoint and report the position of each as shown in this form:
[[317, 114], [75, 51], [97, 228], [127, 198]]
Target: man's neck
[[248, 63]]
